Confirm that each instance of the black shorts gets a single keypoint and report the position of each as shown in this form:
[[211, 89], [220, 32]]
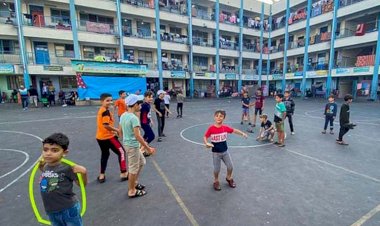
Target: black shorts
[[260, 110]]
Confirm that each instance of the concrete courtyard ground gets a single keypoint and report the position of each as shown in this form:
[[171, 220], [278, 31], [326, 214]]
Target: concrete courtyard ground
[[311, 181]]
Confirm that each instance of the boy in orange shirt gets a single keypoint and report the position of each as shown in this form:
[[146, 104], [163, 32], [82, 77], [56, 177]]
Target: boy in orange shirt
[[120, 103], [106, 136]]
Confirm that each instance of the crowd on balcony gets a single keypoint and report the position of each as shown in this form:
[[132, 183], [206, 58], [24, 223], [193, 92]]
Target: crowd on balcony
[[174, 38]]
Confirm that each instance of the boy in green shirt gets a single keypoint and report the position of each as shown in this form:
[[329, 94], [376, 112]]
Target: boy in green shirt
[[279, 116], [132, 139]]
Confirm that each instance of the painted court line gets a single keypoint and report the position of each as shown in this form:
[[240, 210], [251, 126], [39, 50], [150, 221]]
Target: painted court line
[[19, 166], [334, 166], [49, 119], [175, 194], [366, 217], [30, 168]]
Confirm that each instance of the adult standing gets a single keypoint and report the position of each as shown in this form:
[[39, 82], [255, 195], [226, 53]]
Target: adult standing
[[23, 92], [51, 93], [167, 101], [160, 109], [180, 100], [33, 96]]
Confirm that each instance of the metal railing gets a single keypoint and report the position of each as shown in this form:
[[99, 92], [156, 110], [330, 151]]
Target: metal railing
[[140, 3], [177, 38], [203, 42], [10, 58], [368, 27], [138, 33], [179, 9], [227, 44], [343, 3], [52, 22], [46, 58], [94, 27]]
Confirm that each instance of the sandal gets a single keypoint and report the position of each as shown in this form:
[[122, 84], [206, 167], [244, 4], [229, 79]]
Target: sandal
[[101, 181], [140, 187], [231, 183], [138, 193], [217, 186], [123, 178]]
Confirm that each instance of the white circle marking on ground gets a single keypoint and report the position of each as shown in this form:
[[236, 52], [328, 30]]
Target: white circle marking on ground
[[30, 168], [18, 167]]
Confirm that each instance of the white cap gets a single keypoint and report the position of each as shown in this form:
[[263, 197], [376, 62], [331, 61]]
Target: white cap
[[160, 92], [133, 99]]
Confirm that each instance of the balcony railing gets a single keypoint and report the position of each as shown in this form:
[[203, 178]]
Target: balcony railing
[[177, 38], [8, 17], [52, 22], [227, 44], [10, 58], [343, 3], [46, 58], [231, 19], [178, 8], [361, 30], [203, 42], [138, 33], [100, 28], [140, 3]]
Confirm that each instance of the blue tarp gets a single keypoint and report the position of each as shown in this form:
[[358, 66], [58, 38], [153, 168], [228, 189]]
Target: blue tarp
[[97, 85]]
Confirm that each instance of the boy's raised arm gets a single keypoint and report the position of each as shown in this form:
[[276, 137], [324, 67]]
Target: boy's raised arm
[[83, 171], [239, 132]]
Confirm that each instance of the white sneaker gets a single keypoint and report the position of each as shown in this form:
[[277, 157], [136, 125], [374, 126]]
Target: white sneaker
[[65, 105], [292, 133]]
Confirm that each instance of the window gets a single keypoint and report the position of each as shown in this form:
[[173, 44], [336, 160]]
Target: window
[[200, 61], [60, 16], [68, 82], [95, 18], [323, 29], [64, 50], [14, 82], [175, 30], [146, 58], [90, 52], [127, 27], [9, 47]]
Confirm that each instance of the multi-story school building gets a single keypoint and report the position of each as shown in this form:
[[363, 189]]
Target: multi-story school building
[[204, 47]]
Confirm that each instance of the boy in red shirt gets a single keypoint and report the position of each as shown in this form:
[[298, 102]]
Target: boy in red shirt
[[218, 133], [259, 105], [120, 103]]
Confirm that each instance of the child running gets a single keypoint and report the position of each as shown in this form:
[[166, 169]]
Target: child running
[[146, 120], [132, 139], [120, 105], [344, 119], [218, 133], [106, 136], [279, 117], [266, 129], [56, 182], [330, 113]]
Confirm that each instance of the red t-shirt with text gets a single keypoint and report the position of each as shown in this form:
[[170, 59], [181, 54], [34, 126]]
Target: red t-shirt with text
[[218, 137]]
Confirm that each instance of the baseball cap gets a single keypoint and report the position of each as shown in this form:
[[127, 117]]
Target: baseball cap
[[133, 99], [160, 92]]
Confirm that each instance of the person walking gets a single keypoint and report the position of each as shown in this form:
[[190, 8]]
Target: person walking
[[33, 96], [180, 100], [24, 96]]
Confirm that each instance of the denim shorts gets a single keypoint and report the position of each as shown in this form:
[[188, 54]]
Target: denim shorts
[[67, 217]]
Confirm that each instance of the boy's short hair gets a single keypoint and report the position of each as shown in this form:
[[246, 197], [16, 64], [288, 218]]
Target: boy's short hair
[[103, 96], [222, 112], [287, 91], [280, 95], [332, 96], [59, 139], [264, 116], [348, 97], [148, 93], [121, 92]]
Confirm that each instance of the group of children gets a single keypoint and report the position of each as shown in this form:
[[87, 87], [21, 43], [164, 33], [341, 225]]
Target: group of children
[[56, 181], [285, 106]]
